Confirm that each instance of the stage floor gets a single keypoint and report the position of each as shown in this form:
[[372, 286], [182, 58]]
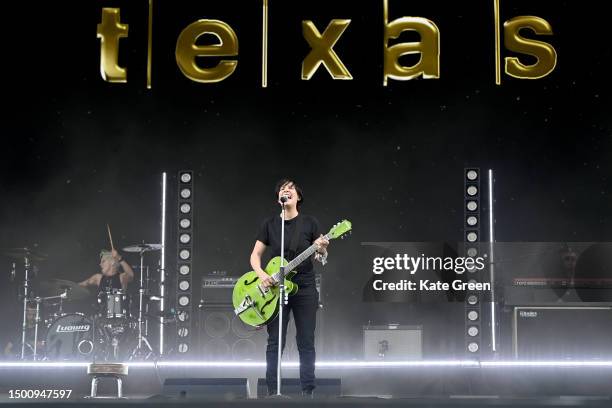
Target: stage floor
[[341, 402], [451, 383]]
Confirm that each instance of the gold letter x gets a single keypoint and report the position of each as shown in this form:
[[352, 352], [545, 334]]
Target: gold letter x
[[322, 49]]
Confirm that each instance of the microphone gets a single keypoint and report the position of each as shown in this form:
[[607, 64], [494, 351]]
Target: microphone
[[284, 198]]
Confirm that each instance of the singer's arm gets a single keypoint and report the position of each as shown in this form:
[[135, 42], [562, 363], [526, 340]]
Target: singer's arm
[[258, 251]]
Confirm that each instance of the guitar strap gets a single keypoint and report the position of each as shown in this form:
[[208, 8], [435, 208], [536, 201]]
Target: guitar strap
[[295, 240]]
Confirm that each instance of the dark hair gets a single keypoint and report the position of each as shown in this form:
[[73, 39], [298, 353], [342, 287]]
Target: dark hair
[[283, 182]]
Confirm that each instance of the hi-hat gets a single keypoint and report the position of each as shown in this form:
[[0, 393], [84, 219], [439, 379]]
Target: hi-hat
[[143, 247], [55, 287], [21, 253]]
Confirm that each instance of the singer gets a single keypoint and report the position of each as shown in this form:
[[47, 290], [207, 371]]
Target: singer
[[301, 231]]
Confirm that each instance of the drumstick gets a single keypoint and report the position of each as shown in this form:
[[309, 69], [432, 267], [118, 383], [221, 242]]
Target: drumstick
[[110, 237]]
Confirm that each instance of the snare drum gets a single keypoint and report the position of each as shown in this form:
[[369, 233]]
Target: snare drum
[[114, 304]]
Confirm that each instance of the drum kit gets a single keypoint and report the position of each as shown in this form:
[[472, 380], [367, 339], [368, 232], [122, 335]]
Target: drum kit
[[56, 325]]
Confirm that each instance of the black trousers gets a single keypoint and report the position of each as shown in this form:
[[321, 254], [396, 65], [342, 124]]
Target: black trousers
[[303, 305]]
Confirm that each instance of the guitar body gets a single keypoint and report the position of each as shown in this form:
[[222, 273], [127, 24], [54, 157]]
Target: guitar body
[[265, 304], [257, 306]]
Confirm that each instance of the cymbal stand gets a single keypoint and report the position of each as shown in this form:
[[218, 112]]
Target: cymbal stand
[[142, 339], [146, 321], [26, 294], [37, 319]]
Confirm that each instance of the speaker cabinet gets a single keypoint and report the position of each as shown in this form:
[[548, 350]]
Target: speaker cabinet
[[562, 333], [224, 337], [223, 388]]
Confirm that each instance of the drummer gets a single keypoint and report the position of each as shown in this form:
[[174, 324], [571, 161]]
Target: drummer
[[110, 276]]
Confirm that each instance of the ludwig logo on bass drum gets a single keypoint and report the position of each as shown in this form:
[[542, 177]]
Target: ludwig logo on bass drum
[[72, 329]]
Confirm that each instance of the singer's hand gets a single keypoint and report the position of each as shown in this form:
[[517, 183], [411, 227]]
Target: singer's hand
[[322, 244], [266, 280]]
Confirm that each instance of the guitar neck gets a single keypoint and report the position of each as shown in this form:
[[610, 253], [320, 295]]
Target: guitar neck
[[300, 258]]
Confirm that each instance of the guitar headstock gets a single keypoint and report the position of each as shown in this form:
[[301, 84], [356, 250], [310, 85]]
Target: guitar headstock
[[340, 229]]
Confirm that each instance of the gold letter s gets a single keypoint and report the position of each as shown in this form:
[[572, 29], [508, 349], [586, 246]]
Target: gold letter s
[[187, 51], [110, 30], [543, 52]]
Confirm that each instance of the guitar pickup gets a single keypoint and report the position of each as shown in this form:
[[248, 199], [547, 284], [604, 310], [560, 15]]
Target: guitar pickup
[[263, 290]]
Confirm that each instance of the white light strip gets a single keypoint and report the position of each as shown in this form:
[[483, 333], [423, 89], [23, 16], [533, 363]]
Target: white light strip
[[162, 267], [534, 364], [323, 364], [492, 265]]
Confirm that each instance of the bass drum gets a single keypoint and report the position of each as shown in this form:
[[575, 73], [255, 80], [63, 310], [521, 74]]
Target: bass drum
[[71, 337]]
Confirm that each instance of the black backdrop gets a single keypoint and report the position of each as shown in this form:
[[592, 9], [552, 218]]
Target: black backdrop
[[79, 153]]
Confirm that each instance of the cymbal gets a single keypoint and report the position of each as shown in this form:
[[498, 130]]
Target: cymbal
[[143, 247], [54, 287], [25, 252]]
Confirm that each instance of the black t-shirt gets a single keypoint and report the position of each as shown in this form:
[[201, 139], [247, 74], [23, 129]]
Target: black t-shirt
[[270, 234], [109, 282]]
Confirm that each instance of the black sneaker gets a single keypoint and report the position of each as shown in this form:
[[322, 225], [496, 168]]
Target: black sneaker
[[308, 392]]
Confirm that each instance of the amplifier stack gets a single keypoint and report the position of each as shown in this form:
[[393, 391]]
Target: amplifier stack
[[224, 337]]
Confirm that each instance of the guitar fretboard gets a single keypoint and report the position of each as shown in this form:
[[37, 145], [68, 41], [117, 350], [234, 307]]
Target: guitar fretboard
[[299, 259]]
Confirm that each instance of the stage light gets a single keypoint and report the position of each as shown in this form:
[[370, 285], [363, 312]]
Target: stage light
[[185, 193], [183, 348], [473, 331], [185, 247], [185, 208], [184, 285], [185, 177], [471, 175], [471, 245]]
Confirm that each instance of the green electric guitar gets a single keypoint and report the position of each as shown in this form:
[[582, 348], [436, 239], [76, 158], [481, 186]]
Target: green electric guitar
[[256, 305]]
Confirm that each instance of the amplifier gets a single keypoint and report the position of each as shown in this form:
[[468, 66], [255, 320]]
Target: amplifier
[[393, 342], [217, 289], [562, 332]]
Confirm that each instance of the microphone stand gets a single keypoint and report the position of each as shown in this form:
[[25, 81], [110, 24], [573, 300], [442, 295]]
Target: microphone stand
[[281, 302]]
